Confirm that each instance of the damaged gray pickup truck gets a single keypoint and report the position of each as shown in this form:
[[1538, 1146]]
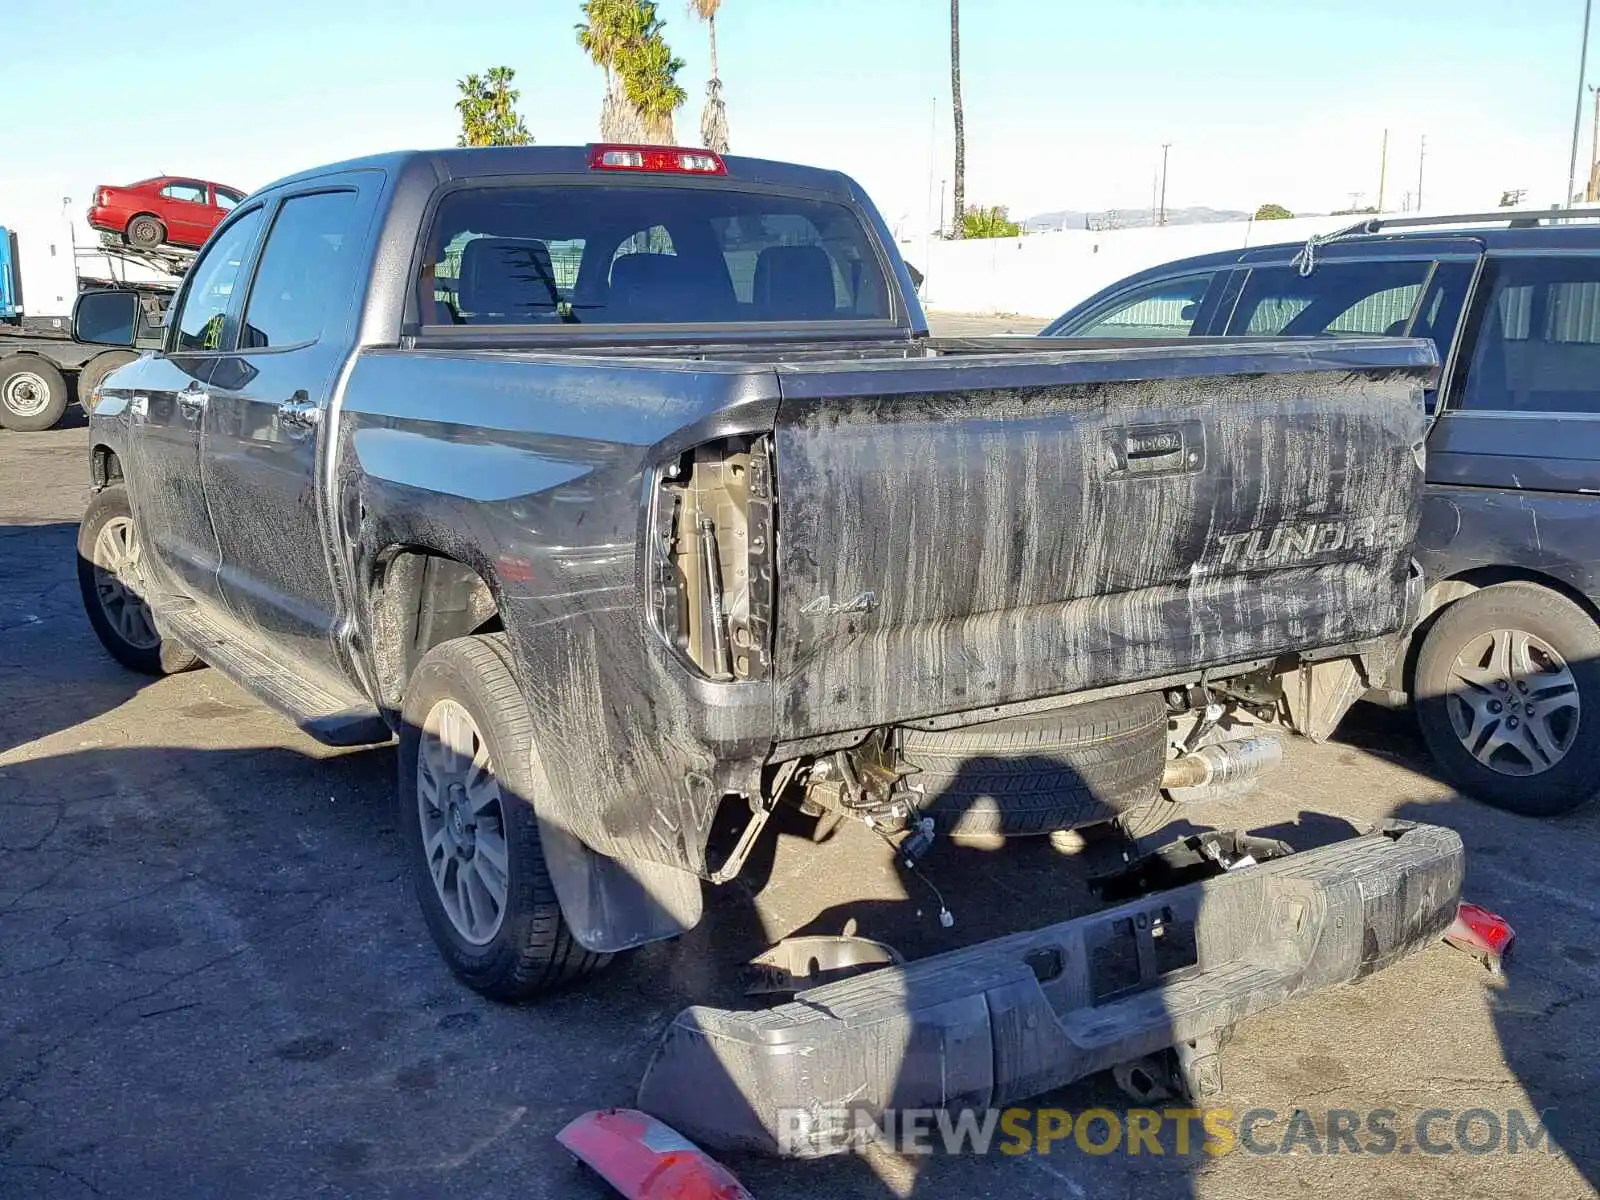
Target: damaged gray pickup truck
[[626, 486]]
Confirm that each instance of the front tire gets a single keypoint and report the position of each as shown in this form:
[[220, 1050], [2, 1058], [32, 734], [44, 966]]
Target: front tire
[[466, 814], [33, 395], [1507, 693], [113, 582]]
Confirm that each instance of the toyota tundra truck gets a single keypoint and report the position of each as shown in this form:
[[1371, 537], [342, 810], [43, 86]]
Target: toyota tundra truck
[[626, 488]]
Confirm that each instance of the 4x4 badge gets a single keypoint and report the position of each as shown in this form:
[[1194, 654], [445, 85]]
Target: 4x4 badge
[[824, 605]]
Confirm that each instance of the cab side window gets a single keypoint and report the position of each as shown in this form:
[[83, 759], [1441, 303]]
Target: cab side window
[[212, 280], [1536, 338], [304, 266], [1162, 309]]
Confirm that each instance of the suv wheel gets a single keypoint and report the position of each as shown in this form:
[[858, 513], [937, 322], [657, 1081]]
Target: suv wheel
[[114, 585], [466, 812], [1508, 696]]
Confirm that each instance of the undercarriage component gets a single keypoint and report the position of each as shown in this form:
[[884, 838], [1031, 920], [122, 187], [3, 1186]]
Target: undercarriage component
[[1210, 770], [1187, 860], [993, 1024]]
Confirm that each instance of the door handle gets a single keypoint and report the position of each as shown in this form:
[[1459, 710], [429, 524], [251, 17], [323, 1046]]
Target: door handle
[[298, 411], [1155, 450]]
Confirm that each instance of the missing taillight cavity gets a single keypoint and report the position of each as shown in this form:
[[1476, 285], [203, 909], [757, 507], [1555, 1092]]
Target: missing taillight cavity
[[711, 574]]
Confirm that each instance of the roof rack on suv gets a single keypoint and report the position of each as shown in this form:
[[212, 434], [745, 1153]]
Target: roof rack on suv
[[1516, 218], [1513, 218]]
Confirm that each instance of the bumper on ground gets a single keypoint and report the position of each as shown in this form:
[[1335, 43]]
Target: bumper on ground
[[1001, 1021]]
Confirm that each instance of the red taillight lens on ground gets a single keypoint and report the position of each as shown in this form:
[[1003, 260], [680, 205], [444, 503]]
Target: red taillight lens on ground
[[646, 1159], [1485, 935], [669, 159]]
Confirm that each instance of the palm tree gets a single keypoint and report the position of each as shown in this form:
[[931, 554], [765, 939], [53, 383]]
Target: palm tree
[[960, 119], [650, 82], [623, 37], [714, 117], [609, 26]]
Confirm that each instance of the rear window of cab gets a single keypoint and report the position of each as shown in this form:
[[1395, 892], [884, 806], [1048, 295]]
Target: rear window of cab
[[645, 254]]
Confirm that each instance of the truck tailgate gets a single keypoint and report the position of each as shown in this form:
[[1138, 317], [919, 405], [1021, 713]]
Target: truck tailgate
[[956, 533]]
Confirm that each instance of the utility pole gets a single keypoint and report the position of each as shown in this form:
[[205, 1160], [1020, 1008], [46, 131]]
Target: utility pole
[[1422, 157], [1577, 107], [1383, 168], [1161, 218], [1589, 191], [1155, 186]]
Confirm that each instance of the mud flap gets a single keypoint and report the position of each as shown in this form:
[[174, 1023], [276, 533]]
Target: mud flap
[[612, 906], [998, 1022]]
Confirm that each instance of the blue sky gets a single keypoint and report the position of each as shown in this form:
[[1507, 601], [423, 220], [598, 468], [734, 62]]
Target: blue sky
[[1067, 102]]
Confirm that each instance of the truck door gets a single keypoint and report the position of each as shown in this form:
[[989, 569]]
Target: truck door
[[264, 431], [166, 400]]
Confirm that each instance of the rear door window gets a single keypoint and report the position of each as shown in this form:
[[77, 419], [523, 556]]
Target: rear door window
[[646, 254], [1165, 308], [193, 193], [1376, 297], [1536, 347]]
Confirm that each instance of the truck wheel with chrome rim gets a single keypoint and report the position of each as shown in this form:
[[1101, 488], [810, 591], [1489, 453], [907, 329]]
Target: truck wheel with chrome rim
[[114, 585], [466, 812], [33, 394], [1508, 697]]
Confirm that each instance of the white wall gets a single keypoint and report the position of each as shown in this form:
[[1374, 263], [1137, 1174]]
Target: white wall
[[1044, 274]]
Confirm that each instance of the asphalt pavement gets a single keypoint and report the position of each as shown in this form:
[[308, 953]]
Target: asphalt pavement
[[214, 979]]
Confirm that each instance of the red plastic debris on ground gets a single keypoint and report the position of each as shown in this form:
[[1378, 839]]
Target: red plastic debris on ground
[[1484, 935], [645, 1159]]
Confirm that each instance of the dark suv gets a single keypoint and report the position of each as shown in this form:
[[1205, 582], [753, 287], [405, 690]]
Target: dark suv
[[1504, 668]]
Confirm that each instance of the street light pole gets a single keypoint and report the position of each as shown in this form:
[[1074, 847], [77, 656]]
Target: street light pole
[[1161, 219], [1577, 107]]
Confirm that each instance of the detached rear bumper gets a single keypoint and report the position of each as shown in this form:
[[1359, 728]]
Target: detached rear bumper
[[999, 1022]]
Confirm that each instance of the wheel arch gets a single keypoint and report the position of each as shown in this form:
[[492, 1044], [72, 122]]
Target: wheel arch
[[421, 596], [105, 467], [1450, 589]]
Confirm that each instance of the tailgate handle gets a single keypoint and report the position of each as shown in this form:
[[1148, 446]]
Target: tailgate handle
[[1154, 450]]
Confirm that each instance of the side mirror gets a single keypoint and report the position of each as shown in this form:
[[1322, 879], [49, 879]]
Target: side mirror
[[1189, 311], [109, 318]]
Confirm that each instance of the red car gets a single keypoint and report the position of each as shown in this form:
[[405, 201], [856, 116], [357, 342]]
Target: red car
[[168, 210]]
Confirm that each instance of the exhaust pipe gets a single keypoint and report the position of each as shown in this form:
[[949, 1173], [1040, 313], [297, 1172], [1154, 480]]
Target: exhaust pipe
[[1224, 763]]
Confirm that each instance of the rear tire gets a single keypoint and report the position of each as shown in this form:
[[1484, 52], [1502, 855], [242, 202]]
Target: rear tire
[[146, 232], [1043, 772], [33, 394], [466, 785], [94, 372], [1538, 753], [114, 584]]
